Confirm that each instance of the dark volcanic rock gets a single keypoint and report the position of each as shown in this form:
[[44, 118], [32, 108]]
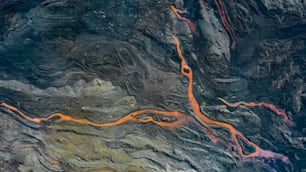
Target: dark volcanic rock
[[99, 60]]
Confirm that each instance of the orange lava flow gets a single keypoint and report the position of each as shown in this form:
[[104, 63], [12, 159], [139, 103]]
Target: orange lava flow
[[181, 118], [143, 116], [272, 107], [235, 134], [226, 23], [191, 25]]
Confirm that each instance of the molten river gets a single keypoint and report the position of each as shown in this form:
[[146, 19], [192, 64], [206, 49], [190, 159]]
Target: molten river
[[145, 115]]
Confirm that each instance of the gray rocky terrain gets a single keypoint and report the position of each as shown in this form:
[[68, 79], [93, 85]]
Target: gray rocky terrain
[[100, 60]]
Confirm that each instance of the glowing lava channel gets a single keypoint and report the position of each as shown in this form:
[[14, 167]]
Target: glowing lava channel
[[225, 22], [181, 118], [272, 107], [191, 25], [143, 117], [259, 152]]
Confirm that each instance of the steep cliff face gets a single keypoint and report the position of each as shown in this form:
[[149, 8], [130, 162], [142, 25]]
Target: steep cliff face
[[152, 85]]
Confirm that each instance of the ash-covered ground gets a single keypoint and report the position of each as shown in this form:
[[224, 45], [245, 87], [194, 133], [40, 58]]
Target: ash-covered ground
[[99, 60]]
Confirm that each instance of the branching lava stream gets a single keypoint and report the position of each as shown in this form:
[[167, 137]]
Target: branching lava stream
[[191, 25], [259, 152], [181, 118], [143, 115], [268, 105]]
